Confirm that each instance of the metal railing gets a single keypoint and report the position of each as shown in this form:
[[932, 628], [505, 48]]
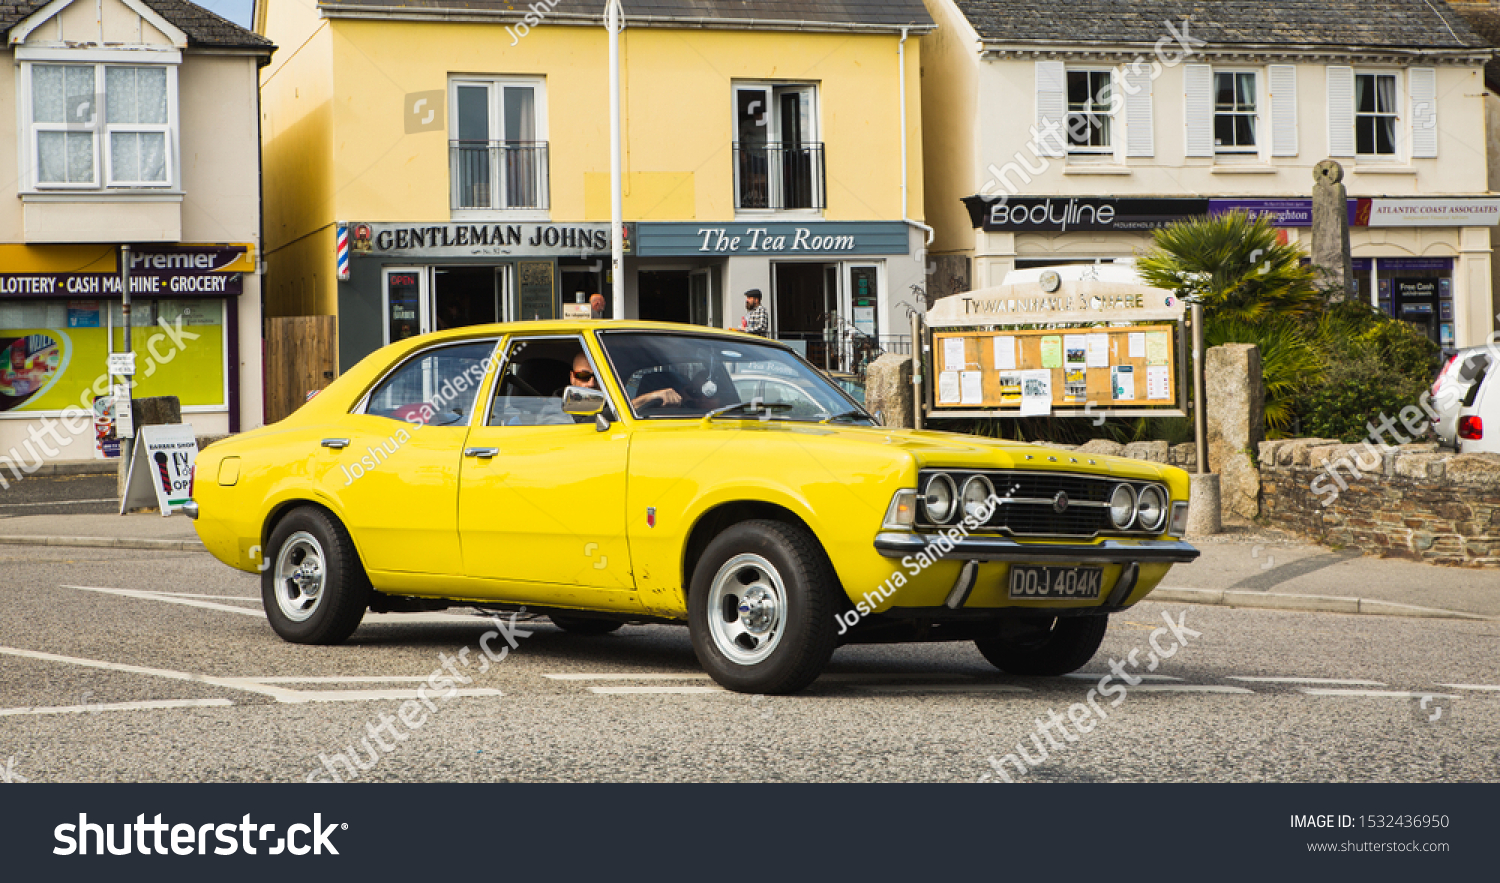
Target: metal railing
[[779, 176], [498, 174], [845, 349]]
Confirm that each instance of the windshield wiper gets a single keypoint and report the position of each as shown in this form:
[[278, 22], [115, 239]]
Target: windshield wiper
[[752, 407], [857, 413]]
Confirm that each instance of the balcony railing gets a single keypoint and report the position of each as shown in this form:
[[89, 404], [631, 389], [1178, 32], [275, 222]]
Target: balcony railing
[[498, 174], [779, 176]]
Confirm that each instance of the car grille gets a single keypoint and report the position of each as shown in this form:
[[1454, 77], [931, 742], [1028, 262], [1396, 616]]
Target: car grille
[[1027, 504]]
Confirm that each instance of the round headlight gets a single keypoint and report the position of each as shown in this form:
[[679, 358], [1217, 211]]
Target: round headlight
[[977, 491], [940, 498], [1122, 506], [1151, 508]]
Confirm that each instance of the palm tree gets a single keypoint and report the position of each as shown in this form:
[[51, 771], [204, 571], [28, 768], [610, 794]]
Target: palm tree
[[1254, 289], [1238, 268]]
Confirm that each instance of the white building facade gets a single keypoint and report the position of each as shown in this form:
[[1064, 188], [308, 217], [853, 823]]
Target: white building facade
[[1070, 139]]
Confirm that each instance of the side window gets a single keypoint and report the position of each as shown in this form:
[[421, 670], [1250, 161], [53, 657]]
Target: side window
[[436, 387], [536, 372]]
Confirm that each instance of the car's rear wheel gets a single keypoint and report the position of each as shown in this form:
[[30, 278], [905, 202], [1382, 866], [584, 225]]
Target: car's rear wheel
[[315, 590], [761, 608], [582, 625], [1044, 646]]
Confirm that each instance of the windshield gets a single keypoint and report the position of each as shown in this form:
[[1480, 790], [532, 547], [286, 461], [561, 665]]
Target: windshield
[[680, 376]]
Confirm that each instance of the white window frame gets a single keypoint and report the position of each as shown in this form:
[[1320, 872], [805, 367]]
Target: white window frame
[[1259, 124], [1398, 135], [495, 84], [1112, 112], [98, 128], [776, 127]]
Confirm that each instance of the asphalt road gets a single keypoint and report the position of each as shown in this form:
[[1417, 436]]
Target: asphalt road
[[180, 679], [60, 495]]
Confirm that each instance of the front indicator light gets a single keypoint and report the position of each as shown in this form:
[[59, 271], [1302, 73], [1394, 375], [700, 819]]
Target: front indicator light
[[940, 499], [1151, 508], [1122, 506], [1178, 527], [902, 513]]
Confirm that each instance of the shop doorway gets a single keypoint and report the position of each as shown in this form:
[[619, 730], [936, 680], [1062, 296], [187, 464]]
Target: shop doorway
[[420, 300], [664, 295], [829, 312], [465, 296]]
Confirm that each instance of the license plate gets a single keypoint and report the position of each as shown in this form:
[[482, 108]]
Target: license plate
[[1055, 582]]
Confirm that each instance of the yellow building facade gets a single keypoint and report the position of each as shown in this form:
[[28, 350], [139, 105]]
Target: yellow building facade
[[424, 172]]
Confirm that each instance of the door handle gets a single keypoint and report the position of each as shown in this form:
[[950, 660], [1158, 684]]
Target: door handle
[[481, 453], [338, 444]]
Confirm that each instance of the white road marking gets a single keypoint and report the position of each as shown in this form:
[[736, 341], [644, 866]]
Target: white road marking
[[59, 503], [892, 676], [1329, 681], [116, 706], [622, 676], [612, 691], [1187, 688], [368, 695], [248, 685], [209, 597], [1378, 694], [1492, 687], [370, 619], [340, 680], [1083, 676], [155, 596], [942, 688]]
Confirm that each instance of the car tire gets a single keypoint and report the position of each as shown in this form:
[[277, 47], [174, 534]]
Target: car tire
[[315, 590], [1044, 647], [582, 625], [761, 607]]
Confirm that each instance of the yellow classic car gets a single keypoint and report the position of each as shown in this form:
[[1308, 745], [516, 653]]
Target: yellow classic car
[[604, 473]]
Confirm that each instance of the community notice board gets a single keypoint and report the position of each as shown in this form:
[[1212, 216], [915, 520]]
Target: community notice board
[[1037, 371]]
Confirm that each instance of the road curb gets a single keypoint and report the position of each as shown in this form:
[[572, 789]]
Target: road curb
[[106, 543], [1306, 603]]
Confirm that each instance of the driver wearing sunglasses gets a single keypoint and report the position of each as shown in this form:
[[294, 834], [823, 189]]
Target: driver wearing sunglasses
[[584, 376]]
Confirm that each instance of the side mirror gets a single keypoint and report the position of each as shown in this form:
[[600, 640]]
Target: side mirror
[[582, 402]]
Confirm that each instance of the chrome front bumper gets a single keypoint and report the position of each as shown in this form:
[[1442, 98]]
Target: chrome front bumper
[[899, 545], [190, 509]]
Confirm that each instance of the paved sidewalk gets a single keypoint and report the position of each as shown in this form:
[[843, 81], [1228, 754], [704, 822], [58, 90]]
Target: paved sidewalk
[[1245, 566]]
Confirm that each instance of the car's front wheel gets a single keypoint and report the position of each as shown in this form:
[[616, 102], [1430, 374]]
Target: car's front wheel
[[1044, 646], [315, 590], [761, 608]]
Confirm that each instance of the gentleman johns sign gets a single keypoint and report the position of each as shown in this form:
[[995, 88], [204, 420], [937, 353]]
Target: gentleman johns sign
[[463, 240]]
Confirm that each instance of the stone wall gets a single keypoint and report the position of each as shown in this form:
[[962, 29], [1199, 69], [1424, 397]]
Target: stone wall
[[1409, 501]]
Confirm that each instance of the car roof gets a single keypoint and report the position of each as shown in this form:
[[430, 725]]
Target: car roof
[[574, 326]]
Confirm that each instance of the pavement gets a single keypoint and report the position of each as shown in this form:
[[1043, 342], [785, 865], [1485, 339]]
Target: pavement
[[1245, 566]]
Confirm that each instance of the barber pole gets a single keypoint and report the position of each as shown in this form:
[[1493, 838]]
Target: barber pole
[[343, 253]]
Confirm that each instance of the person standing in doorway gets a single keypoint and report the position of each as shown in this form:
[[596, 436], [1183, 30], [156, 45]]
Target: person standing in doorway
[[757, 319]]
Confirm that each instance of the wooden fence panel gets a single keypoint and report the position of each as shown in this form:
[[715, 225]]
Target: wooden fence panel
[[301, 356]]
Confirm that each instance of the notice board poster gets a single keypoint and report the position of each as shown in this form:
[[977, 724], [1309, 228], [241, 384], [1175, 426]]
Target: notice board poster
[[536, 290], [1111, 367]]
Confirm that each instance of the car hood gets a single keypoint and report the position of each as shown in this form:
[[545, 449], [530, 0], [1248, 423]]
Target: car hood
[[954, 451]]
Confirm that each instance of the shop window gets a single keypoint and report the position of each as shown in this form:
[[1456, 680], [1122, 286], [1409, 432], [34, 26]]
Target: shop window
[[778, 159], [498, 147], [95, 126], [53, 352]]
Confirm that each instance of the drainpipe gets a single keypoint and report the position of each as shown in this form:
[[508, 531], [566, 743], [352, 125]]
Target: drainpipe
[[905, 173], [614, 20]]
